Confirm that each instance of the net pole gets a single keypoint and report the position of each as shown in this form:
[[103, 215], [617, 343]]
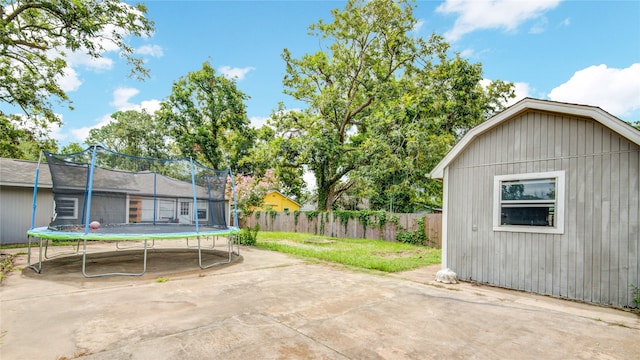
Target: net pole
[[193, 187], [91, 171], [35, 193], [155, 197], [235, 206]]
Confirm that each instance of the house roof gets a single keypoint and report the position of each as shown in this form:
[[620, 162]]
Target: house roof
[[22, 173], [593, 112], [283, 195]]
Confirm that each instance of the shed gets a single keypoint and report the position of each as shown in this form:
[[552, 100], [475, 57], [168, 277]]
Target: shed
[[544, 197]]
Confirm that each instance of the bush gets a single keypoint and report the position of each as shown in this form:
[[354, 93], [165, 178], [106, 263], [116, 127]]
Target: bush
[[636, 294], [417, 237], [248, 236]]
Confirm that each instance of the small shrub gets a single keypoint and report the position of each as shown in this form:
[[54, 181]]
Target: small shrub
[[635, 291], [417, 237], [248, 236]]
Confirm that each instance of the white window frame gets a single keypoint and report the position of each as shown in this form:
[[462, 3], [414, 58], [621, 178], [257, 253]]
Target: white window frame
[[558, 227], [202, 205], [75, 208]]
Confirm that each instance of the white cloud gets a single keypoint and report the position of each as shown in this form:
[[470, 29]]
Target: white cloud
[[565, 22], [151, 50], [69, 81], [150, 106], [238, 73], [310, 179], [614, 90], [521, 91], [540, 26], [417, 26], [121, 98], [467, 53], [81, 134], [121, 101], [492, 14], [258, 121]]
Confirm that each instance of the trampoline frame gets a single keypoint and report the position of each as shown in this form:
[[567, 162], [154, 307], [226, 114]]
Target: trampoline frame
[[43, 234]]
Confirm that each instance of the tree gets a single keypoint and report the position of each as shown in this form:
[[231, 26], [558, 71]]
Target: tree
[[72, 148], [435, 109], [35, 37], [360, 98], [251, 190], [274, 153], [205, 115], [132, 132]]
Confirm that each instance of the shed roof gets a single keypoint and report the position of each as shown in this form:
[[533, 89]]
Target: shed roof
[[593, 112]]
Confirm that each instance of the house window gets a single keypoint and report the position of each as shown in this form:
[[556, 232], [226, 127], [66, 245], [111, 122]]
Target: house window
[[529, 202], [166, 209], [66, 208], [202, 210], [184, 208]]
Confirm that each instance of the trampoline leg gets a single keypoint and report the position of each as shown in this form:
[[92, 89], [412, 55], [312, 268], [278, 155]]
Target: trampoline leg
[[84, 264], [229, 251], [153, 243], [213, 246], [46, 247], [29, 265], [233, 238]]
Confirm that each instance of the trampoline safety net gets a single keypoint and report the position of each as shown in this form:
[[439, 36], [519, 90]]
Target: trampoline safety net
[[117, 189]]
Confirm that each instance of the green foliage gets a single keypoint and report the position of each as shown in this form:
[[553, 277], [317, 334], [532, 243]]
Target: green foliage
[[6, 264], [36, 36], [635, 291], [416, 237], [313, 214], [296, 214], [248, 236], [367, 254], [272, 213], [203, 112], [384, 106], [132, 132]]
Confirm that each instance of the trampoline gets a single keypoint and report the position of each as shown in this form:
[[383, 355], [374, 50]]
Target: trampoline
[[101, 195]]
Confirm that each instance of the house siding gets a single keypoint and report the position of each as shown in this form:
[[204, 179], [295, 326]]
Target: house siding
[[16, 210], [597, 258]]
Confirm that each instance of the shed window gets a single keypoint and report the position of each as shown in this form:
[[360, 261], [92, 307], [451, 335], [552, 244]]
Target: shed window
[[66, 208], [529, 202]]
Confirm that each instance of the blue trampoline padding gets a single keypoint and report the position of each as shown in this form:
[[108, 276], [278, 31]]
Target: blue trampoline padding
[[131, 232]]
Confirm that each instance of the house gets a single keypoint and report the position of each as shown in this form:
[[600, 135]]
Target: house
[[544, 197], [275, 200], [16, 199], [118, 197]]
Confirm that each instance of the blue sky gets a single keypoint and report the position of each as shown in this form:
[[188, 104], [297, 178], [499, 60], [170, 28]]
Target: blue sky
[[584, 52]]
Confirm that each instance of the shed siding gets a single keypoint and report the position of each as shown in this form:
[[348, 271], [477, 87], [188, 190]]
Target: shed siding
[[16, 210], [597, 257]]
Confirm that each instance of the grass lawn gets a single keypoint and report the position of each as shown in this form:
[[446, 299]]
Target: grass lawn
[[367, 254]]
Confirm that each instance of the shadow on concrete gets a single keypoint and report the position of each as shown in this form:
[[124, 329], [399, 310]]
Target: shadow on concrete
[[160, 263]]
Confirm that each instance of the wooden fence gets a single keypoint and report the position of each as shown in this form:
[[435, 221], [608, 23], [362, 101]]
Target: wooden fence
[[380, 226]]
